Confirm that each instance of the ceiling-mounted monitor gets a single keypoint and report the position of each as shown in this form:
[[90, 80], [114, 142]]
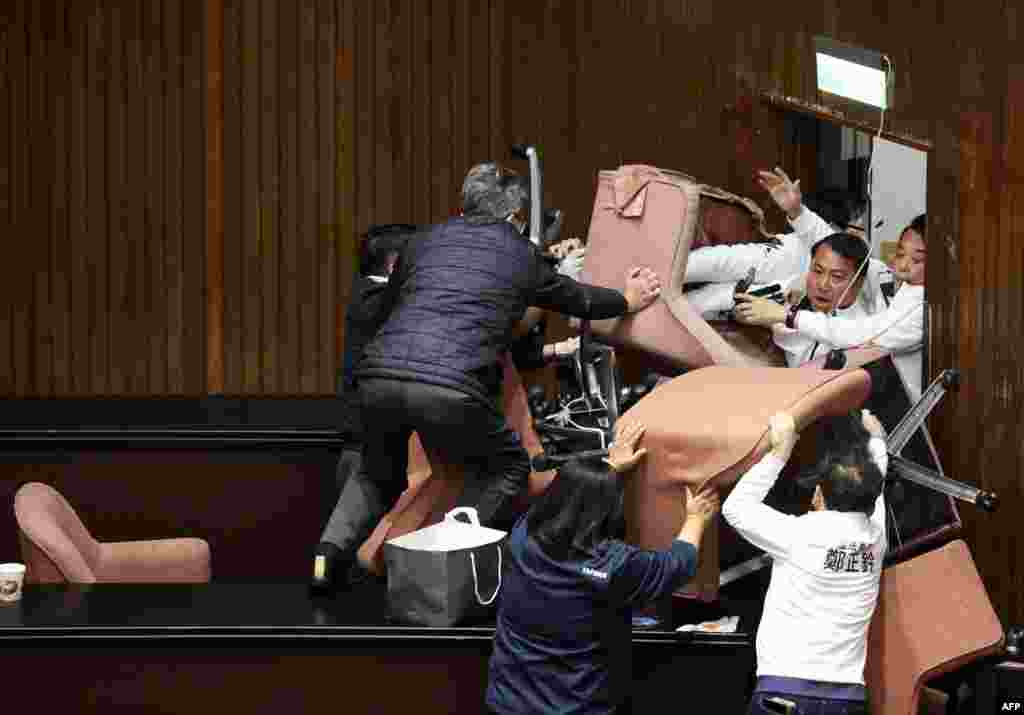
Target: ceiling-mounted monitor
[[852, 72]]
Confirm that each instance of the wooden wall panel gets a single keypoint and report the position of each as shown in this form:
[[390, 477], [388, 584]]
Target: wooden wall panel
[[270, 185], [19, 268], [154, 225], [7, 84], [106, 135], [325, 250], [243, 237]]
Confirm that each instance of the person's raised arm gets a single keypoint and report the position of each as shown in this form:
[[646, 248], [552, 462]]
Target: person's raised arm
[[745, 510], [877, 448], [808, 226], [701, 508]]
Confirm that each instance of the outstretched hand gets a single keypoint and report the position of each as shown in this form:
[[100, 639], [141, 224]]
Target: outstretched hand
[[642, 288], [784, 192], [622, 453]]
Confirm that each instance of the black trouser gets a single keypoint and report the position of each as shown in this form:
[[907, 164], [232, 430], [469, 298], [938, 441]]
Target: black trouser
[[465, 429]]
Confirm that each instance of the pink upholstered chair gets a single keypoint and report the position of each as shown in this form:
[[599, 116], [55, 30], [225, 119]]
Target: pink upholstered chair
[[933, 616], [56, 547]]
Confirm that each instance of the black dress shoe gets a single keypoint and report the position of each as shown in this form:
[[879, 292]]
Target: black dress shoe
[[330, 568]]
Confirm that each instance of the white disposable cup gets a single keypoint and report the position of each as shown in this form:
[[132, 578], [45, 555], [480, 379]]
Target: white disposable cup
[[11, 578]]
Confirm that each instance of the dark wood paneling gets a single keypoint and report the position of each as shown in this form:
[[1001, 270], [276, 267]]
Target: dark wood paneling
[[19, 270], [242, 298], [7, 180], [270, 192], [347, 137], [325, 254], [237, 23], [60, 265], [213, 38], [307, 273], [173, 203], [154, 226], [195, 191]]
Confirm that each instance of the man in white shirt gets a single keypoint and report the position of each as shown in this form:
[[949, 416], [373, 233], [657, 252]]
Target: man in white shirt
[[785, 261], [898, 328], [812, 640]]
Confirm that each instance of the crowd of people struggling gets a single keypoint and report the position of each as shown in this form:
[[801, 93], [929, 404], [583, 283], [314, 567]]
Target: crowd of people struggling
[[429, 323]]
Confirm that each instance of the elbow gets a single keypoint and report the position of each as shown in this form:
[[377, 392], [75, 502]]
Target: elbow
[[730, 514]]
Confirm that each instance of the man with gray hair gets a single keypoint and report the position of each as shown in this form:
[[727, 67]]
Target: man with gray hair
[[435, 364]]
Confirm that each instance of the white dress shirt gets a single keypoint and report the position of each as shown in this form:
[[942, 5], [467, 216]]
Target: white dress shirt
[[898, 329], [824, 582]]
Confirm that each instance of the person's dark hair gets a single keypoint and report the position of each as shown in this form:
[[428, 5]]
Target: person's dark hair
[[581, 508], [918, 224], [846, 245], [849, 478], [380, 242], [836, 206]]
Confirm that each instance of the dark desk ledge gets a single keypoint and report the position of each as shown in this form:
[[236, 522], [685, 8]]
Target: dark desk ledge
[[228, 612], [204, 437]]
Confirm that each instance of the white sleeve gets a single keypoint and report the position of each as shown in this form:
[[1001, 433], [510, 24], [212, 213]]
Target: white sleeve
[[898, 328], [810, 228], [745, 510], [876, 446]]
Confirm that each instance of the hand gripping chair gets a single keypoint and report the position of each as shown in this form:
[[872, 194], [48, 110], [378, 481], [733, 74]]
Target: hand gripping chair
[[57, 548]]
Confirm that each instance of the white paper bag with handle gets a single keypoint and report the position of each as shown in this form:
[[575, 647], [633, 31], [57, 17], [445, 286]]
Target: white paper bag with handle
[[446, 574]]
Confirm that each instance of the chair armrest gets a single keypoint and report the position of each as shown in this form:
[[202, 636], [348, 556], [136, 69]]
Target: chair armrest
[[185, 560]]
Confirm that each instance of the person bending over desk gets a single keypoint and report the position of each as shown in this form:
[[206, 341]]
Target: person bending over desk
[[812, 641], [562, 643]]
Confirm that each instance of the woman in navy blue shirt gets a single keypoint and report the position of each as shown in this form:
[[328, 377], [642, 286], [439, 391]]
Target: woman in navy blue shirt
[[563, 634]]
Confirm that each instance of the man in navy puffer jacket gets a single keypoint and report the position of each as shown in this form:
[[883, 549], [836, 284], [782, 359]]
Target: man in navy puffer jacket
[[434, 366]]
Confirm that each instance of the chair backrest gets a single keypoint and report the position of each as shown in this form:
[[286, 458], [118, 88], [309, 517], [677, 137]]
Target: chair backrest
[[56, 545], [933, 616], [645, 216]]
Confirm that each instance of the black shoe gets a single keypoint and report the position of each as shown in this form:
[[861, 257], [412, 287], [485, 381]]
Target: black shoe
[[330, 568]]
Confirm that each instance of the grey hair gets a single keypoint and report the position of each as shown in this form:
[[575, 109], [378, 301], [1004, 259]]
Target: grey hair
[[489, 195]]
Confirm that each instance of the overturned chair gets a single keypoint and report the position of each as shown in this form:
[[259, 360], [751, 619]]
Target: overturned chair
[[646, 216], [57, 547], [922, 629]]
